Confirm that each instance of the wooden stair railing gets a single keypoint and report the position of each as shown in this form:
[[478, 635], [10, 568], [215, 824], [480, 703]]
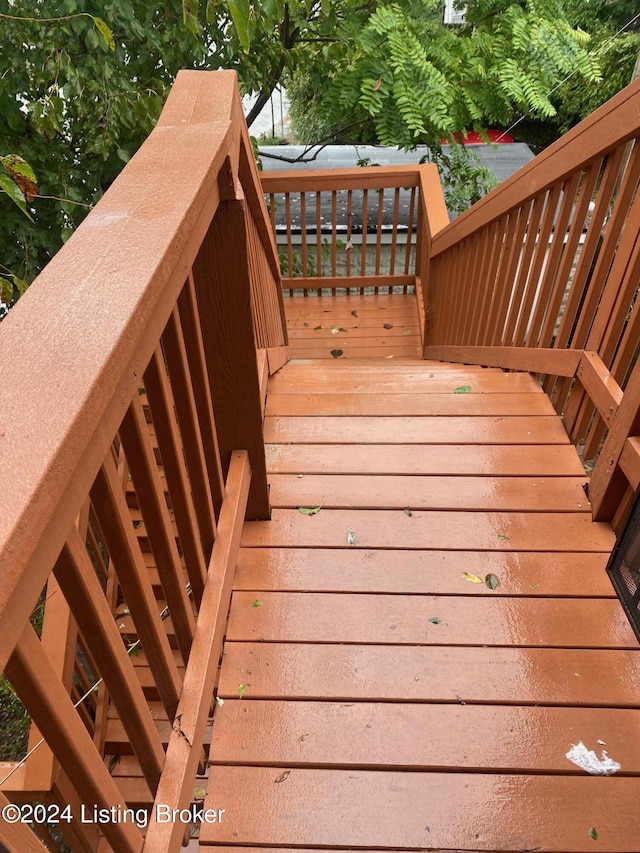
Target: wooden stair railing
[[132, 447], [547, 267], [403, 205]]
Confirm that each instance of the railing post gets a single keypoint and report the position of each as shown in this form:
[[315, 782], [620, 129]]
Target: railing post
[[223, 290], [432, 217], [608, 483]]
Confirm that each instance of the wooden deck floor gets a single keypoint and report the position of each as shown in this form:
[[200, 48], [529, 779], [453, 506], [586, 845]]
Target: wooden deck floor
[[407, 668]]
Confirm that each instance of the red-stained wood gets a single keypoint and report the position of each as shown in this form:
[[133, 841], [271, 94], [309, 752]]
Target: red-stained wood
[[18, 836], [82, 590], [183, 752], [464, 674], [419, 737], [449, 460], [321, 180], [519, 494], [453, 381], [159, 525], [604, 392], [421, 810], [173, 461], [290, 617], [113, 515], [42, 692], [230, 357], [423, 572], [630, 461], [493, 531], [558, 362], [420, 403], [415, 430]]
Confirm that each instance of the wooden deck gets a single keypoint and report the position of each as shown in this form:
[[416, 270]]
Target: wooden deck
[[408, 667]]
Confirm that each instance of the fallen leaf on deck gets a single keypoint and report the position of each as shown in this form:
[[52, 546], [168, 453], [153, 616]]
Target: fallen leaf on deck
[[503, 538], [310, 510], [336, 353], [199, 793], [241, 689], [334, 330], [306, 325], [352, 538], [462, 389], [219, 701], [472, 578], [317, 328], [283, 776], [354, 313], [435, 620], [257, 603], [492, 581], [593, 833], [387, 326], [407, 511]]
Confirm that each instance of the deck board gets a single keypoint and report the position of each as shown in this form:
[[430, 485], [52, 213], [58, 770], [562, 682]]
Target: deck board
[[382, 692]]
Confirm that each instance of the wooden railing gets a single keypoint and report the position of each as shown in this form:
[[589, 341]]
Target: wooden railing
[[356, 229], [132, 449], [543, 275]]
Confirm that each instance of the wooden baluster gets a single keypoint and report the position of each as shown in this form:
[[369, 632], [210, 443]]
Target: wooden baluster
[[83, 592], [173, 459], [608, 483], [17, 836], [134, 431], [42, 692], [186, 362], [113, 516]]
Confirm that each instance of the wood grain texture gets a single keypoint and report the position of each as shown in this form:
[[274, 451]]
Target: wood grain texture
[[421, 810], [577, 575], [290, 617], [437, 460]]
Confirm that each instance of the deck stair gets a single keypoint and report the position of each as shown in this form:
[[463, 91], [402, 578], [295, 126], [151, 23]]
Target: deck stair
[[378, 691]]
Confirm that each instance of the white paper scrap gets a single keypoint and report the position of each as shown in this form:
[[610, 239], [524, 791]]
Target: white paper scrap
[[588, 761]]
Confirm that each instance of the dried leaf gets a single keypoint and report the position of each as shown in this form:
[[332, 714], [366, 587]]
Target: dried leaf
[[336, 353], [387, 326], [241, 689], [593, 833], [283, 776], [462, 389], [199, 793], [435, 620], [468, 576], [219, 701], [306, 325], [257, 603], [354, 313], [317, 328], [22, 174], [334, 330], [492, 581], [352, 537], [342, 330], [407, 511], [310, 510]]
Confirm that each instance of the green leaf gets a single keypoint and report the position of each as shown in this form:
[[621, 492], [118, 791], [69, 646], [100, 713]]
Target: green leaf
[[13, 191], [307, 510], [20, 284], [239, 12], [492, 581], [6, 291], [257, 603], [468, 576], [462, 389], [503, 538], [212, 5], [199, 793], [190, 15], [435, 620], [105, 32], [241, 689], [593, 833]]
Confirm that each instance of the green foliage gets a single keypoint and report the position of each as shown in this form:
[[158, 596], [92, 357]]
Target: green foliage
[[464, 179]]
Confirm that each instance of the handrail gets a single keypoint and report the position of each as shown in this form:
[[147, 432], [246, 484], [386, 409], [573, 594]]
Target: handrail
[[345, 205], [550, 262], [129, 382]]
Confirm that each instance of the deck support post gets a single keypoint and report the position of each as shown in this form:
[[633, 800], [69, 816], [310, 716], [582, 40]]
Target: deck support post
[[223, 290]]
